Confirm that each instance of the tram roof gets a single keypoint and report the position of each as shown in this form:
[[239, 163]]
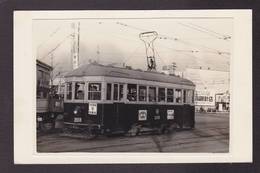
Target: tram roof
[[95, 69]]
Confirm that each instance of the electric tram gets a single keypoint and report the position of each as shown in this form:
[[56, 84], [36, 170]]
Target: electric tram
[[102, 99], [48, 107]]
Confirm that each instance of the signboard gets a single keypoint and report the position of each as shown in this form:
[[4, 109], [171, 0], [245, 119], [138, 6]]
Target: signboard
[[224, 98], [92, 109], [142, 115], [205, 97], [170, 114]]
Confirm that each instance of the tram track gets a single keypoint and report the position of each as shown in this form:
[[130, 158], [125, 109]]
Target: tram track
[[148, 141], [210, 135]]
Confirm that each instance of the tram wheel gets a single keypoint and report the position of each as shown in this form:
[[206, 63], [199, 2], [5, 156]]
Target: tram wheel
[[161, 129], [135, 130], [46, 127], [88, 133]]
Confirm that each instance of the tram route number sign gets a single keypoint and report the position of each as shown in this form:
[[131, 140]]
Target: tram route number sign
[[92, 109], [142, 115], [170, 114]]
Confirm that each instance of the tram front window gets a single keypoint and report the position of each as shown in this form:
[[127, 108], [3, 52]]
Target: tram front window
[[152, 94], [79, 90], [184, 96], [115, 92], [109, 87], [189, 96], [142, 93], [192, 96], [94, 91], [121, 92], [132, 92], [178, 95], [161, 97], [69, 91], [170, 95]]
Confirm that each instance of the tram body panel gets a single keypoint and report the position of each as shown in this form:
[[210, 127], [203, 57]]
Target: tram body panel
[[115, 116]]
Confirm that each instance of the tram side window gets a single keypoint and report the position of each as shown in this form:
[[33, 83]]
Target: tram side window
[[187, 95], [121, 92], [152, 94], [109, 87], [184, 96], [142, 93], [178, 95], [79, 90], [115, 95], [69, 91], [192, 96], [161, 97], [131, 92], [94, 91], [170, 95]]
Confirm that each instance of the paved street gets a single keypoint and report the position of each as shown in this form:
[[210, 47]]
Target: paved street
[[211, 134]]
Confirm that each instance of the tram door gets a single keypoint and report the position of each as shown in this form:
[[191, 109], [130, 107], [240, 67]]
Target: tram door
[[118, 97]]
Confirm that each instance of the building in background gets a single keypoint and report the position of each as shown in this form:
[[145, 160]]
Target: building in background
[[222, 101], [212, 89], [43, 71]]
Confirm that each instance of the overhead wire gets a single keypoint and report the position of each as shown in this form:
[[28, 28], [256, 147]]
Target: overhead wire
[[50, 36], [197, 29], [224, 36], [58, 45], [162, 36]]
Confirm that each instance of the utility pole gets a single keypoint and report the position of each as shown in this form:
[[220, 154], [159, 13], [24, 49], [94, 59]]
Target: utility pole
[[75, 45]]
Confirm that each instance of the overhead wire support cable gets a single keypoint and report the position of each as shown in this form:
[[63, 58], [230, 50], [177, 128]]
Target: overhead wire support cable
[[58, 45], [163, 36], [50, 36], [197, 29], [224, 36]]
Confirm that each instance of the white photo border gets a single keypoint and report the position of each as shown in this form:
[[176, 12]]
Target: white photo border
[[25, 91]]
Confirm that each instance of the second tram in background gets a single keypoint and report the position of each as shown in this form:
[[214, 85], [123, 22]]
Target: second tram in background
[[48, 104], [105, 100]]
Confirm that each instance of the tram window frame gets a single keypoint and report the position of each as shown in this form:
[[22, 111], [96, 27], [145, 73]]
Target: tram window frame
[[161, 98], [109, 92], [121, 92], [69, 91], [170, 97], [116, 92], [185, 93], [142, 97], [178, 95], [192, 95], [149, 95], [133, 96], [189, 96], [76, 97], [97, 93]]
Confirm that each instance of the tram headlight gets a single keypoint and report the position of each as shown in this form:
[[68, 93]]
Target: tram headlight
[[76, 110]]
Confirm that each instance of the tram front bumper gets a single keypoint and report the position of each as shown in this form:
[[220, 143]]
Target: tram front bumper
[[81, 125]]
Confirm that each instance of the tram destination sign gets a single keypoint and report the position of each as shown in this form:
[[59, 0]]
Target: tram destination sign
[[92, 109]]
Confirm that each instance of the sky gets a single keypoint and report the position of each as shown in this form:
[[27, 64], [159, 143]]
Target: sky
[[189, 42]]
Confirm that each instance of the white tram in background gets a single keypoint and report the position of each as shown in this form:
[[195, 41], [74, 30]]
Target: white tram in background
[[105, 99]]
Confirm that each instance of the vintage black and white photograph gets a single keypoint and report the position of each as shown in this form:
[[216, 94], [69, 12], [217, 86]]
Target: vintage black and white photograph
[[133, 85], [142, 84]]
